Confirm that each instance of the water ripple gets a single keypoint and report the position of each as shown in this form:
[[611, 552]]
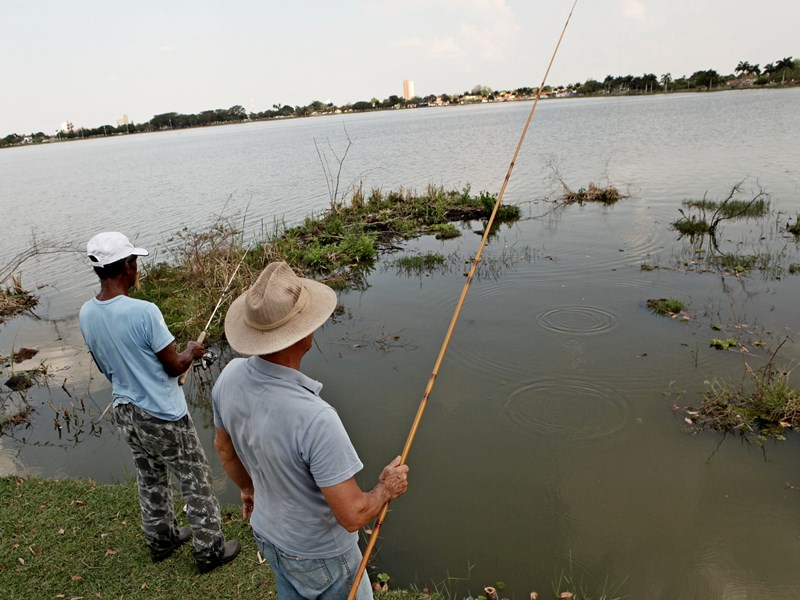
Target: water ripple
[[586, 320], [574, 409]]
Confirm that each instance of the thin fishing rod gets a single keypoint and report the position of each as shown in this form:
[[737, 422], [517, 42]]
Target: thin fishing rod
[[423, 404], [201, 338]]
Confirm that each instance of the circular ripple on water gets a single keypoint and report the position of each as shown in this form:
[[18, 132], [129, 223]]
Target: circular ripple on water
[[573, 409], [577, 320]]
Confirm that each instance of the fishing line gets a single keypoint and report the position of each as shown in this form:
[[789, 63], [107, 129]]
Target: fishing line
[[415, 425]]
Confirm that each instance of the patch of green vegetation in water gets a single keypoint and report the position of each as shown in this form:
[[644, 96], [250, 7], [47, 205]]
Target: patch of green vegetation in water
[[419, 264], [723, 344], [666, 306], [763, 405]]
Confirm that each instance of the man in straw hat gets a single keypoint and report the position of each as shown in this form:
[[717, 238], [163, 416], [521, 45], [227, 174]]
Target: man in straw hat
[[286, 448], [133, 348]]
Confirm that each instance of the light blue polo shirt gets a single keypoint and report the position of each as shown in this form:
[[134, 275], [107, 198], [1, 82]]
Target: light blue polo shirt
[[292, 443], [124, 335]]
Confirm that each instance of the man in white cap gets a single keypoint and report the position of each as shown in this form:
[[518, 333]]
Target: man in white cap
[[287, 449], [134, 349]]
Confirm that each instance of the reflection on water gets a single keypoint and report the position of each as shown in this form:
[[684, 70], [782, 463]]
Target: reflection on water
[[550, 438]]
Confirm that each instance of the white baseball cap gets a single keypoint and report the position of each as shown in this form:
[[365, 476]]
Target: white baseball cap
[[109, 247]]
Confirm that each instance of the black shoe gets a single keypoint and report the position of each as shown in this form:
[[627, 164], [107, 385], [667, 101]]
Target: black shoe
[[184, 535], [230, 550]]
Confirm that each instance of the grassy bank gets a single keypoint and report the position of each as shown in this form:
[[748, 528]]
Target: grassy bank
[[80, 539], [337, 246]]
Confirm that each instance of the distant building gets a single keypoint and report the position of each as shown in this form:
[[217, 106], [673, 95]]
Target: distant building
[[122, 121], [408, 89]]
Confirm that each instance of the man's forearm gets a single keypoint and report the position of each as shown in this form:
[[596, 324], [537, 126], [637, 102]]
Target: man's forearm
[[231, 462]]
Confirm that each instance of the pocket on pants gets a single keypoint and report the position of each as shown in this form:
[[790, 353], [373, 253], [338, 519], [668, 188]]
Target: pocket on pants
[[306, 574]]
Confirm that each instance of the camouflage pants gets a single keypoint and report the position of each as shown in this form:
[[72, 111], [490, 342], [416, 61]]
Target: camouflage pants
[[161, 447]]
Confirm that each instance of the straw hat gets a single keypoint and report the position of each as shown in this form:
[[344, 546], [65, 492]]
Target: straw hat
[[277, 311]]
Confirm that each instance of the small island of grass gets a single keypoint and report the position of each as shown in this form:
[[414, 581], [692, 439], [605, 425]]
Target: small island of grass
[[337, 246]]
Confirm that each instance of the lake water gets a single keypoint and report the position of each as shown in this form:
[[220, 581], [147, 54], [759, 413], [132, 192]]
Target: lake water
[[554, 438]]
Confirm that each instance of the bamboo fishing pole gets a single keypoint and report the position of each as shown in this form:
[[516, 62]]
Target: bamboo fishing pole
[[201, 338], [424, 402]]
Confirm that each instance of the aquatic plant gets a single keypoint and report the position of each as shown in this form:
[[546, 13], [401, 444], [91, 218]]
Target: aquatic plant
[[666, 306], [763, 405], [734, 263], [732, 208], [594, 193], [444, 231], [571, 584], [419, 264], [691, 226], [337, 246], [15, 299], [723, 344]]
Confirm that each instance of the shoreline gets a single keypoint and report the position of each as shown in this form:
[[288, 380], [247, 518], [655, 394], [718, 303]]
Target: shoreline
[[56, 139]]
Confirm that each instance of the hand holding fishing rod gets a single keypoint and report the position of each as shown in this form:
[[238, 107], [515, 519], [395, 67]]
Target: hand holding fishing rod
[[206, 358], [423, 403]]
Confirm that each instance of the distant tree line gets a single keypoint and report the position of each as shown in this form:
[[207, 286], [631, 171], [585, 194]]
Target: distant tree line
[[785, 71]]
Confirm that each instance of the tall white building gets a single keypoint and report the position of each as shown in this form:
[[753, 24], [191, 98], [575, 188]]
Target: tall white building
[[408, 89]]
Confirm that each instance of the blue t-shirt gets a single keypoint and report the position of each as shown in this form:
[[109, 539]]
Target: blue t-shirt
[[292, 443], [124, 335]]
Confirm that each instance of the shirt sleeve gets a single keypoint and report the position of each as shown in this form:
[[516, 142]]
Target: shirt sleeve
[[157, 332], [331, 456]]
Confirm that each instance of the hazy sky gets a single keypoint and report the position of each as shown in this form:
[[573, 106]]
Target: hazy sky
[[90, 61]]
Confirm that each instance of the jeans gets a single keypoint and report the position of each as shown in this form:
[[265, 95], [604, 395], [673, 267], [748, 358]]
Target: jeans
[[314, 578]]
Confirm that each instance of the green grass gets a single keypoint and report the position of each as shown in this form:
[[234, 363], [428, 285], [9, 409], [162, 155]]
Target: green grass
[[419, 264], [721, 344], [764, 405], [735, 263], [76, 538], [733, 209], [337, 246], [573, 585], [79, 539], [691, 226], [666, 306], [444, 231]]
